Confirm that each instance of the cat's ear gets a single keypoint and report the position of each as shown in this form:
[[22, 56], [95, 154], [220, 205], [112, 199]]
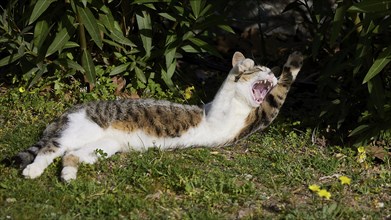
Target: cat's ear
[[238, 57]]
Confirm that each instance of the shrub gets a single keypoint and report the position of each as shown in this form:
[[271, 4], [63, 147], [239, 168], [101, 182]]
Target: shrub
[[138, 39], [352, 45]]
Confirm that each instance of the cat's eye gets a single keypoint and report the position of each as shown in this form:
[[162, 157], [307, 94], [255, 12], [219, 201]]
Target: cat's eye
[[249, 72]]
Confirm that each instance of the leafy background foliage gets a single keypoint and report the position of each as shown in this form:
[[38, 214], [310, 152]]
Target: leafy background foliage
[[351, 46], [91, 45], [140, 39]]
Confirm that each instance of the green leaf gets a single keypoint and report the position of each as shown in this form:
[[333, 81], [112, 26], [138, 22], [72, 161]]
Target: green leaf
[[91, 24], [189, 49], [360, 129], [22, 49], [205, 10], [30, 73], [107, 20], [70, 44], [170, 49], [105, 9], [196, 6], [38, 76], [119, 37], [151, 6], [67, 63], [41, 31], [119, 69], [62, 37], [171, 69], [371, 6], [140, 75], [168, 80], [39, 8], [84, 3], [168, 16], [89, 67], [381, 61], [10, 59], [227, 28], [145, 27], [187, 35], [205, 46], [4, 40], [112, 43]]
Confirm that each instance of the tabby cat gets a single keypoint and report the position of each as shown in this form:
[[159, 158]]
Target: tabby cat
[[249, 100]]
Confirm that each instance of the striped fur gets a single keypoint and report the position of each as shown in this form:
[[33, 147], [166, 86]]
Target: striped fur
[[249, 100], [153, 117]]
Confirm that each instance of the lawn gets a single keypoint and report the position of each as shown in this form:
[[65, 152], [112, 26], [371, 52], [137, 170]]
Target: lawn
[[266, 176]]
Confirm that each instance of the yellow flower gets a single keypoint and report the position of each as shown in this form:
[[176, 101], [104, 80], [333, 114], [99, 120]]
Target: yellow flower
[[361, 154], [345, 180], [188, 92], [361, 150], [314, 188], [22, 89], [361, 158], [324, 193]]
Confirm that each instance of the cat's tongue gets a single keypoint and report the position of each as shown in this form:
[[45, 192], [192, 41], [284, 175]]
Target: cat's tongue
[[260, 90]]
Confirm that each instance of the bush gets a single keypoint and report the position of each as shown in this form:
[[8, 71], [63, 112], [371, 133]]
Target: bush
[[353, 45], [139, 39]]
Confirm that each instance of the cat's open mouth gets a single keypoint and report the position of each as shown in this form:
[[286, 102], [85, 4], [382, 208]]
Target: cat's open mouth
[[260, 89]]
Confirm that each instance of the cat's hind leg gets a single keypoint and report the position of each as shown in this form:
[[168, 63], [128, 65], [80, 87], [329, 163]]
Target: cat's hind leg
[[44, 158], [87, 154]]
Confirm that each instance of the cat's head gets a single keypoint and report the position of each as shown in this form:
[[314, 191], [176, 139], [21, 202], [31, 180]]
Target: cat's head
[[252, 82]]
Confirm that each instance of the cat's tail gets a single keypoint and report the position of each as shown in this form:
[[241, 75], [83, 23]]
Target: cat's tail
[[25, 157], [48, 140], [47, 143]]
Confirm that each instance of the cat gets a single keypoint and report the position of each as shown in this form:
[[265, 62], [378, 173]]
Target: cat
[[248, 100]]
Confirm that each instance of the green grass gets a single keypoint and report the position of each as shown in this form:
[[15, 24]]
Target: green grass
[[265, 176]]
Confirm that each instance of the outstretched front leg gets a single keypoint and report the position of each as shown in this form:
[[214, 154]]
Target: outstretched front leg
[[275, 99], [262, 116]]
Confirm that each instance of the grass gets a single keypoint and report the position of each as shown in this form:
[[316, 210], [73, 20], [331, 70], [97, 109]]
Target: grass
[[265, 176]]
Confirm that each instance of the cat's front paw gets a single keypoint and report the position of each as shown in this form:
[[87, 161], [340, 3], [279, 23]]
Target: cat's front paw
[[295, 60], [245, 65], [68, 174], [294, 63], [32, 171]]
